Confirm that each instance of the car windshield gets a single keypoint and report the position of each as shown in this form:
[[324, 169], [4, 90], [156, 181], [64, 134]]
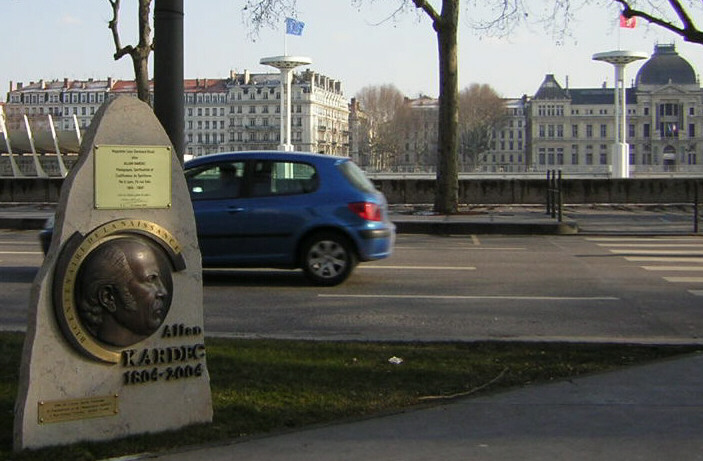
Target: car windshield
[[356, 176]]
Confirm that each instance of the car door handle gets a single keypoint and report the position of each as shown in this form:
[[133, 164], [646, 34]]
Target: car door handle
[[234, 209]]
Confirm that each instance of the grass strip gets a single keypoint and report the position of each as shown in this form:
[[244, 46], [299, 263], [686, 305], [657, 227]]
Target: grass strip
[[261, 386]]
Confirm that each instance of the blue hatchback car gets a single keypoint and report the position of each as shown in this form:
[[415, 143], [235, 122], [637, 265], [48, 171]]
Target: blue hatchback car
[[288, 210]]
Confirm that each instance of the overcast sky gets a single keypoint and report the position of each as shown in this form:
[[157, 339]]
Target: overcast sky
[[56, 39]]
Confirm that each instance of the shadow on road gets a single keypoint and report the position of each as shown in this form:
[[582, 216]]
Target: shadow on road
[[18, 274], [254, 277]]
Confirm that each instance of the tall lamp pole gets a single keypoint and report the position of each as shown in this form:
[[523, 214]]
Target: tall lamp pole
[[621, 150], [168, 71], [286, 64]]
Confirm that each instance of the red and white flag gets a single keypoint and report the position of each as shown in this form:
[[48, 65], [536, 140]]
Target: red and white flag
[[628, 23]]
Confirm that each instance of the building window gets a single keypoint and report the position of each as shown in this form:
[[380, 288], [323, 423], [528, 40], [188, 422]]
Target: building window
[[645, 130], [691, 130], [603, 131], [574, 131], [589, 131]]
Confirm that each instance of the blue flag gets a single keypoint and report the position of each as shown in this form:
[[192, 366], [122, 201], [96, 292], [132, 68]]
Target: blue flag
[[294, 27]]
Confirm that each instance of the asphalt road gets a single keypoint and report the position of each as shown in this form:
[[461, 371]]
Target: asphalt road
[[576, 288]]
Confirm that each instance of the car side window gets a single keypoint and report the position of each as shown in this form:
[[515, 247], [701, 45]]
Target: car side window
[[282, 178], [220, 181]]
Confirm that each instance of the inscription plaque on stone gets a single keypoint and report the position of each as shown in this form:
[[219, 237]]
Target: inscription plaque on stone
[[132, 176], [57, 411]]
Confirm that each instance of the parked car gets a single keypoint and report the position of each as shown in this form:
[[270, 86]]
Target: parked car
[[313, 212]]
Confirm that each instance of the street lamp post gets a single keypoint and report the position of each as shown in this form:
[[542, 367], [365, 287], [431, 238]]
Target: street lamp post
[[621, 150], [286, 64]]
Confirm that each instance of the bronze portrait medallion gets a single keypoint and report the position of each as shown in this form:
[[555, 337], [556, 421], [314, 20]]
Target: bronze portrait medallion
[[113, 287]]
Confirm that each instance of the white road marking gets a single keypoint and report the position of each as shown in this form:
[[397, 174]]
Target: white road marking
[[684, 279], [663, 259], [423, 268], [21, 253], [460, 297], [658, 252], [673, 268], [468, 247], [652, 245], [640, 239]]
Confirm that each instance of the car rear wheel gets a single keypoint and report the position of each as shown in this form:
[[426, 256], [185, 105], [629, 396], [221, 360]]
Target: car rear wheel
[[328, 258]]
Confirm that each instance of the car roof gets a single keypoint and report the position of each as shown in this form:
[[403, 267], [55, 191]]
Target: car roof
[[264, 155]]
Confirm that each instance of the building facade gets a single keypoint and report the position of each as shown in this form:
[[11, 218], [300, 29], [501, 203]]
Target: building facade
[[241, 112], [573, 129]]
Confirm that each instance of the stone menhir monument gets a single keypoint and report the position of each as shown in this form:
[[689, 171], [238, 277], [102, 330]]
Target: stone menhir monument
[[115, 339]]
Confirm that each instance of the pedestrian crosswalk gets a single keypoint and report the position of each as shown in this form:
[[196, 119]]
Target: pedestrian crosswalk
[[676, 259]]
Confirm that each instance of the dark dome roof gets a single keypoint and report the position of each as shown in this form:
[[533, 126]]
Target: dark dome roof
[[666, 66]]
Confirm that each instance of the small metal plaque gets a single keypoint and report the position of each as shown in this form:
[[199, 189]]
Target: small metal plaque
[[56, 411], [131, 177]]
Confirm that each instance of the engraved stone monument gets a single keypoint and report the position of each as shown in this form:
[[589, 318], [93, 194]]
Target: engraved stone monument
[[115, 341]]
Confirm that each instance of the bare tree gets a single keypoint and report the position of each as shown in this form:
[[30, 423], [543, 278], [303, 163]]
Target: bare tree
[[657, 14], [139, 53], [382, 105], [481, 110]]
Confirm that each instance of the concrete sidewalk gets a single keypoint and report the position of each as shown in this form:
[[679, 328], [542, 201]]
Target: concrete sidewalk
[[651, 412]]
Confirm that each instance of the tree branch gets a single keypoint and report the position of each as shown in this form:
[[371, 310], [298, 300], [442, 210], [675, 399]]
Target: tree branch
[[429, 10]]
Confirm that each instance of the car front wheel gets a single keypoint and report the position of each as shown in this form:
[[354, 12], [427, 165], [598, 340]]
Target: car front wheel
[[328, 258]]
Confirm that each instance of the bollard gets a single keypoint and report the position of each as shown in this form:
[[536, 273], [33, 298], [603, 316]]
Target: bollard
[[695, 209], [549, 192], [553, 188], [560, 197]]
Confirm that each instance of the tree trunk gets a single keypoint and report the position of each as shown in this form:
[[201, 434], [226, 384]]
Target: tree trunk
[[141, 75], [447, 188]]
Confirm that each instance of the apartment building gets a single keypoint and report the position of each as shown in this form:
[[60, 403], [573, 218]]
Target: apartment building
[[241, 112]]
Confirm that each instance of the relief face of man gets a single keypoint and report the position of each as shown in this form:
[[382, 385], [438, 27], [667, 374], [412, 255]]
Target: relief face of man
[[124, 291]]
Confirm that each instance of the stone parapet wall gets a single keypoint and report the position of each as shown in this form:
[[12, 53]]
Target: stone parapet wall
[[534, 191], [471, 191]]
